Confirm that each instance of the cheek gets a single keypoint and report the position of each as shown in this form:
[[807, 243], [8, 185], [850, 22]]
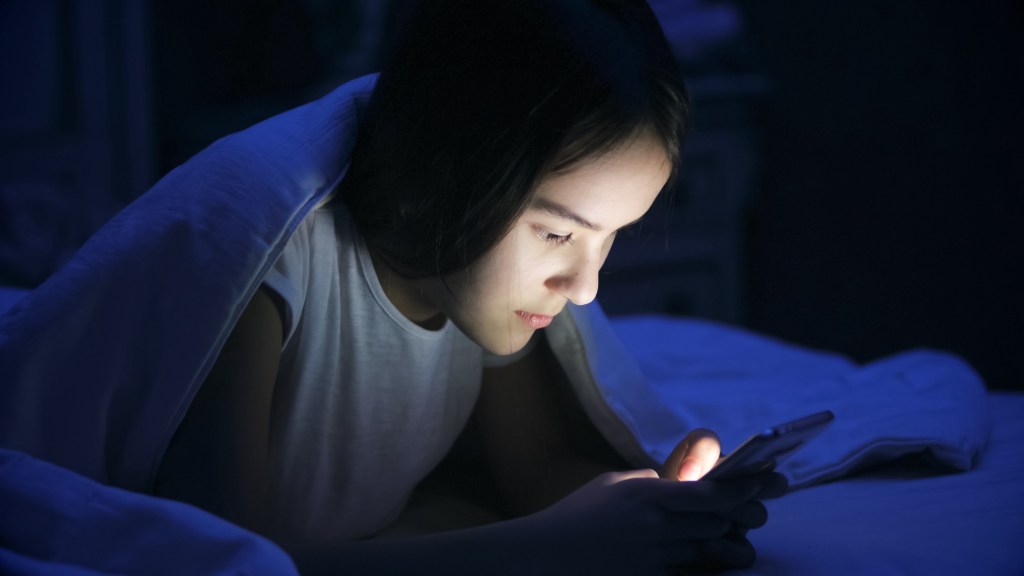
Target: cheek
[[517, 267], [499, 274], [516, 257]]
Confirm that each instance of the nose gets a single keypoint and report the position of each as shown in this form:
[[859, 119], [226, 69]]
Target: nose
[[578, 282]]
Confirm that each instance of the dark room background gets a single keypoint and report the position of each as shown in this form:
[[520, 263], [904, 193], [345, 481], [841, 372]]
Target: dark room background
[[852, 182]]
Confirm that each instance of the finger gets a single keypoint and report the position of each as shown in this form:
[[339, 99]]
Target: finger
[[736, 532], [774, 485], [694, 456], [616, 477], [682, 557], [703, 452], [729, 553], [695, 527], [751, 514], [713, 556], [700, 496]]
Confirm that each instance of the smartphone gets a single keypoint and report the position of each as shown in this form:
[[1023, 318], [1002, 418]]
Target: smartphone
[[763, 451]]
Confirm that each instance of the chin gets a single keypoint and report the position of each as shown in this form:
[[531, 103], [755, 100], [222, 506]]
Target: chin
[[496, 337], [507, 349], [504, 346]]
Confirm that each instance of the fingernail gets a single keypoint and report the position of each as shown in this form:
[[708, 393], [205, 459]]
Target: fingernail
[[689, 469]]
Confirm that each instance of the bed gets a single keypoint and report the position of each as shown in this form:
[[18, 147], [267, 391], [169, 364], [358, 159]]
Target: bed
[[904, 519], [902, 516], [921, 473]]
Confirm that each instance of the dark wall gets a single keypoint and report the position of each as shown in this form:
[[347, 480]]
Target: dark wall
[[886, 210], [890, 214]]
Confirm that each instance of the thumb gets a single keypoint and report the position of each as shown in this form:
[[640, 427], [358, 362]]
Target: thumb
[[616, 477], [694, 456]]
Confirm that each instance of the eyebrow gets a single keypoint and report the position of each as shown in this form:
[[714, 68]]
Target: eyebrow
[[565, 213]]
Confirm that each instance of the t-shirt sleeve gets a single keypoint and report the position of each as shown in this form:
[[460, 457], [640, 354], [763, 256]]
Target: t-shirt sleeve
[[289, 276]]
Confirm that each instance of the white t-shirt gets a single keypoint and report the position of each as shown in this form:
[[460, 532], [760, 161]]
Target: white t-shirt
[[366, 402]]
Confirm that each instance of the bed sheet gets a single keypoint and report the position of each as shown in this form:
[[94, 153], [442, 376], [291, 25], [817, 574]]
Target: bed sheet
[[905, 519], [9, 295]]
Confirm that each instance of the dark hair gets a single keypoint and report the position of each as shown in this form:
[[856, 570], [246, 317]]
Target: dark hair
[[486, 97]]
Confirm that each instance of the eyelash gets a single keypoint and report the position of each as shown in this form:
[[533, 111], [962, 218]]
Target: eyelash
[[568, 239], [555, 238]]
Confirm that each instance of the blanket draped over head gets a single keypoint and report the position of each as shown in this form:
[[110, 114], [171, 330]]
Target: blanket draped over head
[[100, 363]]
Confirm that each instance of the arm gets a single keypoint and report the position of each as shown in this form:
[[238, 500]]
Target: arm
[[217, 459], [542, 448], [539, 443], [618, 523]]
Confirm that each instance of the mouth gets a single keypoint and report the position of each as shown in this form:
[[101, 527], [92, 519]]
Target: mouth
[[535, 321]]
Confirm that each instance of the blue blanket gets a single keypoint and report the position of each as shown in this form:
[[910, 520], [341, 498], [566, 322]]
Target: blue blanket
[[927, 403], [56, 522], [101, 362]]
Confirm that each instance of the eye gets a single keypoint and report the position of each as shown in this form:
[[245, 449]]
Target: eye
[[552, 238]]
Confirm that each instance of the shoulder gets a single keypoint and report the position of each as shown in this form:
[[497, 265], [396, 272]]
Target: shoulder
[[313, 255]]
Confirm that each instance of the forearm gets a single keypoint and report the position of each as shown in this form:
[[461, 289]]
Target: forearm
[[540, 444], [537, 488], [517, 546]]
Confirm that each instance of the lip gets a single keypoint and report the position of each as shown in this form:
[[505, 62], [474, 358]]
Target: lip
[[535, 321]]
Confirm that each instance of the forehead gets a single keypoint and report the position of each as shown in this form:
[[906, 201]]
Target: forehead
[[606, 191]]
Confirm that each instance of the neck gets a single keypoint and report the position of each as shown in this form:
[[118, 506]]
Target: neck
[[408, 296]]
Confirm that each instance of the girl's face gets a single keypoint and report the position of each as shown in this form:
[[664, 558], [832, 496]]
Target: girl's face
[[551, 255]]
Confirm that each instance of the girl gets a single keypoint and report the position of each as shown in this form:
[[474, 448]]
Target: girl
[[501, 151]]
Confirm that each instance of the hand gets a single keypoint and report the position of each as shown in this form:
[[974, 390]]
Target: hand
[[733, 550], [693, 457], [636, 523]]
